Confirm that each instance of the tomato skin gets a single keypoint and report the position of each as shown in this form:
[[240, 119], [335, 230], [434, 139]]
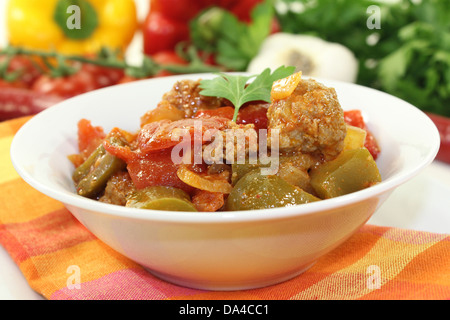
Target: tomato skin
[[162, 33], [155, 169]]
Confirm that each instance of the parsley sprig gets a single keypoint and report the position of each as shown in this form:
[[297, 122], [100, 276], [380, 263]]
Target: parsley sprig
[[238, 89]]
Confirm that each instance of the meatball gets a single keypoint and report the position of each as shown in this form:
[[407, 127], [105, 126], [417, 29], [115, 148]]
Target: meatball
[[310, 120], [118, 188], [185, 95]]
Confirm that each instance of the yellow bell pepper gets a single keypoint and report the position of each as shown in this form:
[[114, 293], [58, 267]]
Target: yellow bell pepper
[[71, 26]]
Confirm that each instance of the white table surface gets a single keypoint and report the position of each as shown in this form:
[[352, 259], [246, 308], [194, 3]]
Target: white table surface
[[421, 204]]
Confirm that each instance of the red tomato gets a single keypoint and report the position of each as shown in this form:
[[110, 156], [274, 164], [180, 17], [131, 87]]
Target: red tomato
[[17, 102], [354, 118], [155, 169], [179, 10], [126, 79], [68, 86], [156, 136], [89, 137], [26, 70], [104, 76], [12, 84], [150, 169], [162, 33]]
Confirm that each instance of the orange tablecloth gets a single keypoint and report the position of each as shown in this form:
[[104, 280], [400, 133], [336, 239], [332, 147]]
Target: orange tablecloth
[[62, 260]]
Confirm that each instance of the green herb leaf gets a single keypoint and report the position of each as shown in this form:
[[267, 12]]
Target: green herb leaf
[[238, 89], [233, 42]]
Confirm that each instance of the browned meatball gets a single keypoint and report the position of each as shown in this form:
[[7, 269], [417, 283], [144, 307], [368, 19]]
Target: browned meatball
[[310, 120], [185, 95], [118, 188]]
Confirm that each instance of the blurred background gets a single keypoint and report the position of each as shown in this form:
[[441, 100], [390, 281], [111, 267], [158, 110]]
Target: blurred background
[[398, 46]]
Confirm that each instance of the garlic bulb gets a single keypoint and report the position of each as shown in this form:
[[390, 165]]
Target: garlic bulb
[[312, 56]]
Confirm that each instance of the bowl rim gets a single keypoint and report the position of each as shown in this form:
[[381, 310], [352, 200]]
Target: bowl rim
[[74, 200]]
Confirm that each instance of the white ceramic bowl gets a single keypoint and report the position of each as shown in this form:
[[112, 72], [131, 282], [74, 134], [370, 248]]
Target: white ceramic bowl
[[222, 250]]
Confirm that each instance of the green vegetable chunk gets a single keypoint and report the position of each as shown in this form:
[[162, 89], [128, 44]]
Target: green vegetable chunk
[[91, 177], [351, 171], [255, 191], [161, 198]]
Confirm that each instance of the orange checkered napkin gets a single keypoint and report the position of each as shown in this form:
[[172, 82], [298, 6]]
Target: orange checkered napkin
[[47, 243]]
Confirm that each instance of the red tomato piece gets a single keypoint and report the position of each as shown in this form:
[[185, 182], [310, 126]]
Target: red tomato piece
[[355, 118], [155, 169], [160, 135], [89, 137], [223, 112], [254, 113]]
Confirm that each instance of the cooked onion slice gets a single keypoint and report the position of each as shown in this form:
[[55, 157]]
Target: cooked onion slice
[[207, 182], [283, 88]]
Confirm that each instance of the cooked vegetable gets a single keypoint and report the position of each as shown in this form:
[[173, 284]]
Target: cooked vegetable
[[161, 198], [355, 118], [256, 191], [207, 182], [351, 171], [355, 138], [91, 177], [45, 25], [284, 87], [165, 165]]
